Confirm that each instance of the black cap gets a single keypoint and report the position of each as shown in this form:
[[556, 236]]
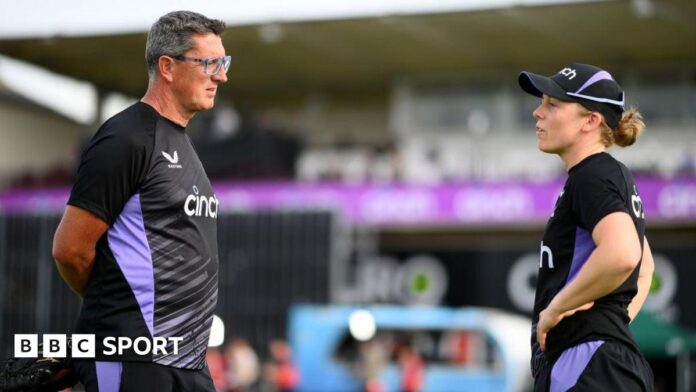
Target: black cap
[[590, 86]]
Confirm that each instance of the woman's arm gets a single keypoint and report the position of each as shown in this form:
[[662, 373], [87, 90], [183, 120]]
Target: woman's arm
[[616, 255], [647, 267]]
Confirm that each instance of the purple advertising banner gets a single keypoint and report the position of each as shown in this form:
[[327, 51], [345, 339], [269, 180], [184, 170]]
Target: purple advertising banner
[[466, 204]]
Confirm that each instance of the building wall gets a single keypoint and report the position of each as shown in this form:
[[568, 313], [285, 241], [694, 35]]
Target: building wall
[[325, 118], [33, 139]]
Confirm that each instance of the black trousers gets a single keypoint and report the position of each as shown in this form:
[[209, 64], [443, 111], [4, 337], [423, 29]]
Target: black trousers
[[102, 376], [595, 366]]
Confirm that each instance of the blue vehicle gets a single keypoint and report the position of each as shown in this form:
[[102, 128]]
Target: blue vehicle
[[464, 349]]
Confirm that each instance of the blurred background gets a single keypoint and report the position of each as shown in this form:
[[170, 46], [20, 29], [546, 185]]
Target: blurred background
[[382, 196]]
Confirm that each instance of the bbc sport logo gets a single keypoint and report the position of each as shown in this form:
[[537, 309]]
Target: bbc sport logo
[[83, 345]]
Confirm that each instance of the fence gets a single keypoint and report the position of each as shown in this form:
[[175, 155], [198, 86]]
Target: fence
[[268, 260]]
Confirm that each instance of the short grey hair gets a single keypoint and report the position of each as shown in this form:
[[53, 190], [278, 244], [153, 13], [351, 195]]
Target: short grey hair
[[172, 33]]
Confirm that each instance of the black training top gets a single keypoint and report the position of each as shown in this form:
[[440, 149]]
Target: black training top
[[155, 272], [595, 188]]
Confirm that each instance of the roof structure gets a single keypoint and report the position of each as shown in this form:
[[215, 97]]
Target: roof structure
[[368, 51]]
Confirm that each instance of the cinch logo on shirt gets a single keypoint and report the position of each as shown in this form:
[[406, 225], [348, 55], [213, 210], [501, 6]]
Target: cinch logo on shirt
[[201, 205], [637, 204], [557, 202], [545, 251]]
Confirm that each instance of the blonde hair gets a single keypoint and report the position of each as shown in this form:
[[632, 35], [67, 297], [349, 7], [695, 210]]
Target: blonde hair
[[626, 133]]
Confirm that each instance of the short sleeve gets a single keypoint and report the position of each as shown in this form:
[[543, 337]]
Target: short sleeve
[[112, 169], [595, 197]]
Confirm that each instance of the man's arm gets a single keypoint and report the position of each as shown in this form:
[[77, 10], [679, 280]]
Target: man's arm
[[647, 267], [74, 246], [616, 255]]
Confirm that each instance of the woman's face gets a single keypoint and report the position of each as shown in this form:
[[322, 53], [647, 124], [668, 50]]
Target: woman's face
[[559, 124]]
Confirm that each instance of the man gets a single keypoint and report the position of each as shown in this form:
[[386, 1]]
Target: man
[[138, 239]]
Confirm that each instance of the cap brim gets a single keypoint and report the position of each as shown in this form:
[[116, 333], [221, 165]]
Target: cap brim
[[538, 85]]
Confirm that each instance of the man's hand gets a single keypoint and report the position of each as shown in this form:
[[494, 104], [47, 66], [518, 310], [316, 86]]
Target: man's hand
[[550, 317]]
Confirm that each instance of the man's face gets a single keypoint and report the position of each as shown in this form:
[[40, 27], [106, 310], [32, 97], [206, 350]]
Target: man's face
[[194, 89], [559, 124]]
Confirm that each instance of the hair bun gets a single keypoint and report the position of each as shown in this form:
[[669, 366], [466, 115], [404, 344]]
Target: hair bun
[[630, 127]]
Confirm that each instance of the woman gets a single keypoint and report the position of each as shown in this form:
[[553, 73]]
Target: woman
[[595, 265]]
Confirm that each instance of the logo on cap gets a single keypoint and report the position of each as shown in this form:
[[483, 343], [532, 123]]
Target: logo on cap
[[569, 72]]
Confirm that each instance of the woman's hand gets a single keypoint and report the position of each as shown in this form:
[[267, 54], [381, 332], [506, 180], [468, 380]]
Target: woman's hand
[[550, 317]]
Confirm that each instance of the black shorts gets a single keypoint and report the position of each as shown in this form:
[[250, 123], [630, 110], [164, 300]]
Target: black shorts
[[595, 366], [103, 376]]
